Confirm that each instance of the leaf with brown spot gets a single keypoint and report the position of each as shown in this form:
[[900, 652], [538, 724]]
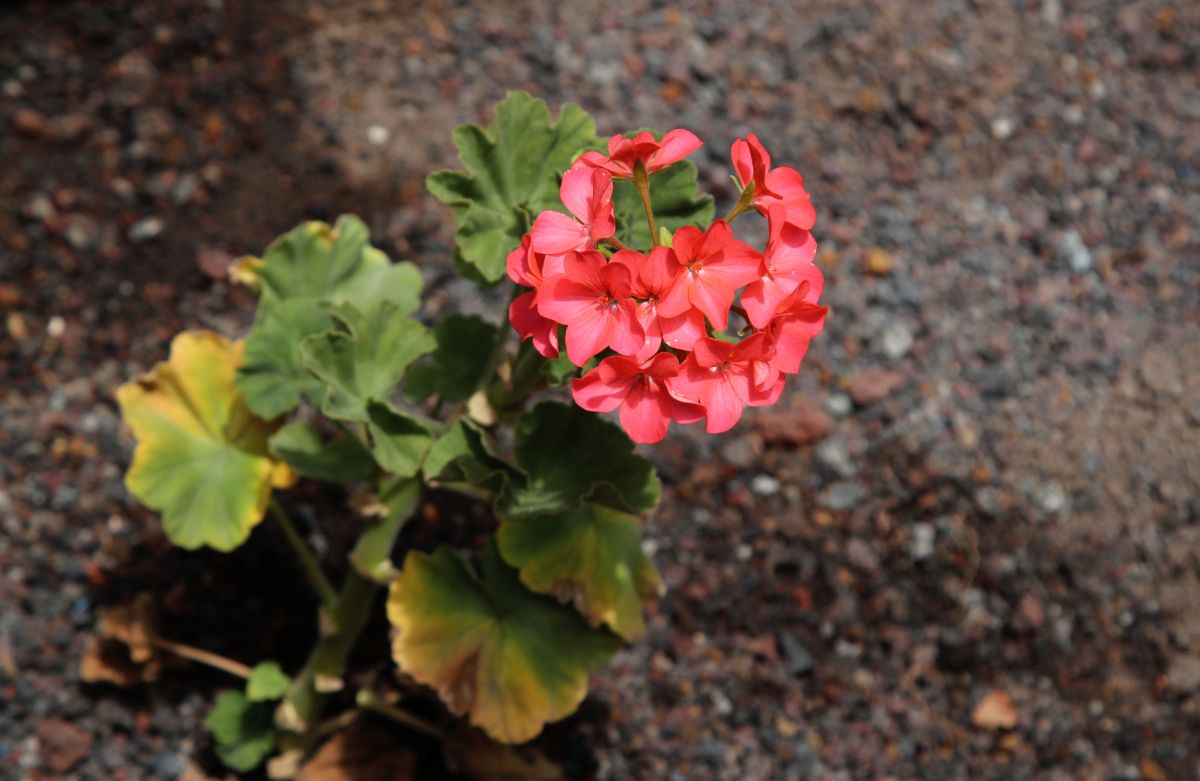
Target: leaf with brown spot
[[510, 659], [591, 557]]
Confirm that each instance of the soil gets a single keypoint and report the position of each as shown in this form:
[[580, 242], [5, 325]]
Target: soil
[[966, 544]]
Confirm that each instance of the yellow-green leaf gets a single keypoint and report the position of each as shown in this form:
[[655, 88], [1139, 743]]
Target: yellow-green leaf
[[510, 659], [591, 557], [202, 458]]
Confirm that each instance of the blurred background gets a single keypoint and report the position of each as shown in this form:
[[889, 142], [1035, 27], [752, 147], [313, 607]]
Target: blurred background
[[966, 543]]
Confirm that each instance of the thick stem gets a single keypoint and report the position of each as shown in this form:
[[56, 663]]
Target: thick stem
[[327, 663], [321, 583], [641, 180]]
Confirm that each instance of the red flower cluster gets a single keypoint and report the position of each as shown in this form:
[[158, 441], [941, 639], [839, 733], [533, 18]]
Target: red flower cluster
[[655, 310]]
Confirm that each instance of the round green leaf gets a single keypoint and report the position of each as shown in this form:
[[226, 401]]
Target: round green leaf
[[336, 265], [512, 169], [273, 377], [591, 557], [365, 358], [510, 659], [202, 457], [455, 368], [398, 441], [244, 731], [567, 455], [267, 681], [341, 460]]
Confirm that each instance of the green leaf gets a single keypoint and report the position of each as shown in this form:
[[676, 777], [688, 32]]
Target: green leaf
[[341, 460], [365, 358], [372, 554], [272, 376], [244, 730], [559, 371], [675, 198], [336, 265], [512, 170], [398, 441], [267, 682], [464, 344], [202, 458], [510, 659], [568, 455], [466, 452], [591, 557]]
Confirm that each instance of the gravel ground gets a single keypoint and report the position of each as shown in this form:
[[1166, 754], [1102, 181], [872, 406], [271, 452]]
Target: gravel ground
[[966, 545]]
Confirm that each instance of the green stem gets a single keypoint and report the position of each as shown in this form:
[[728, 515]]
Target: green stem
[[525, 380], [641, 180], [326, 664], [744, 202], [370, 701], [307, 560]]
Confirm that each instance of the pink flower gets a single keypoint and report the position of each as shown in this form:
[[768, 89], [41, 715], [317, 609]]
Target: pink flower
[[714, 265], [797, 320], [640, 390], [587, 194], [722, 377], [653, 276], [786, 264], [624, 153], [529, 268], [592, 298], [779, 187]]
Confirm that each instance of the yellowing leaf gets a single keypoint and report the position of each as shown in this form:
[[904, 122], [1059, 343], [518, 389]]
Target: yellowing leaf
[[202, 457], [591, 557], [510, 659]]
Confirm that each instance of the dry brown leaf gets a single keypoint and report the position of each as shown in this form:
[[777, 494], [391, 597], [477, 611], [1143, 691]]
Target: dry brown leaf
[[363, 752], [194, 772], [120, 652], [472, 753], [995, 711]]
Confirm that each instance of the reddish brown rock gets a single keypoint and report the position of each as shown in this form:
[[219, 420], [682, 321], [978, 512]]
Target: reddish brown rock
[[803, 423], [63, 745], [873, 384]]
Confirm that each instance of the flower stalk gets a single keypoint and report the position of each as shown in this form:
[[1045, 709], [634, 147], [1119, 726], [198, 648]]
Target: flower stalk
[[304, 554]]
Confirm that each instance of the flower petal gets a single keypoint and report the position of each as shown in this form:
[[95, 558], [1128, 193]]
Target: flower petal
[[645, 415], [595, 395], [675, 145], [554, 233]]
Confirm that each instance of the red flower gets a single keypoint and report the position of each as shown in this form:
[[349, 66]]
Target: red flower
[[797, 320], [653, 276], [529, 268], [779, 187], [587, 194], [592, 298], [713, 266], [786, 264], [624, 153], [640, 390], [722, 377]]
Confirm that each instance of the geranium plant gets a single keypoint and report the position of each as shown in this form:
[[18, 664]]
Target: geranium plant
[[625, 298]]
